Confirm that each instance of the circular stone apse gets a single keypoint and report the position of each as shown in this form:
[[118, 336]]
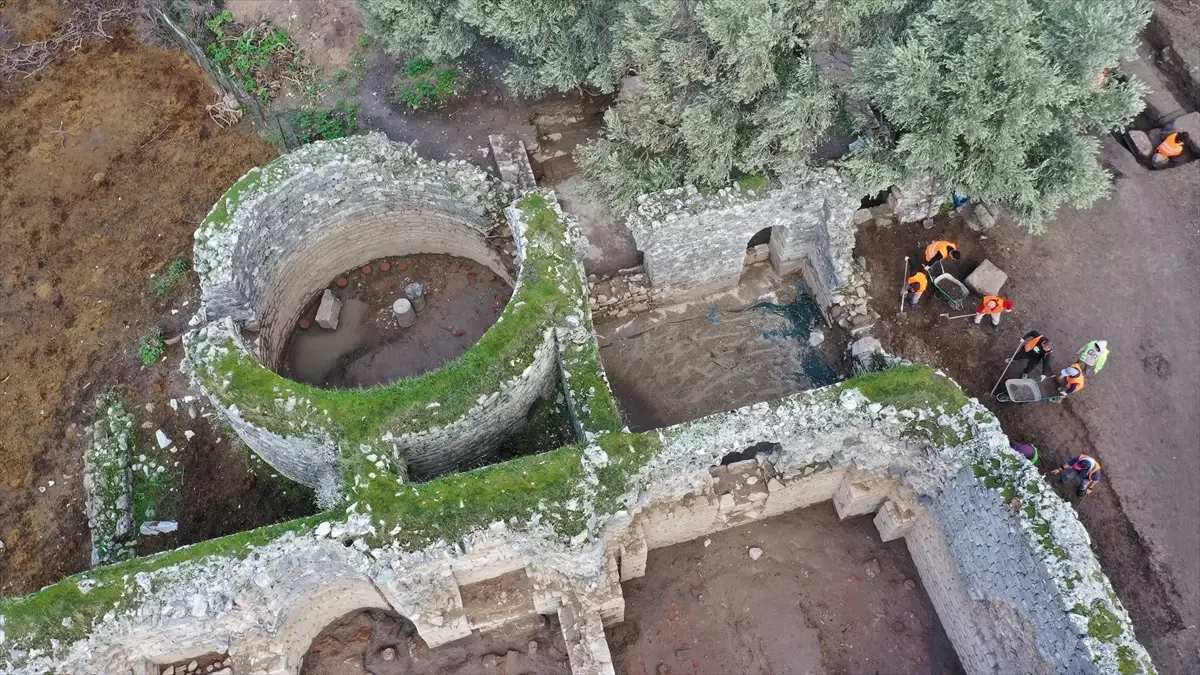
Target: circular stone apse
[[416, 382], [448, 304]]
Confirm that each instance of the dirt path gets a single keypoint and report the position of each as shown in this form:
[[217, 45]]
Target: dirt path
[[825, 597], [108, 161], [1125, 271]]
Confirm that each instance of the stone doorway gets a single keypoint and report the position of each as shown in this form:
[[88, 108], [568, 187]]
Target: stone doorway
[[758, 249]]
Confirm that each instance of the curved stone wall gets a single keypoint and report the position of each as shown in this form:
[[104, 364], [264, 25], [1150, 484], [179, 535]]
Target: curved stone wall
[[278, 236], [283, 231]]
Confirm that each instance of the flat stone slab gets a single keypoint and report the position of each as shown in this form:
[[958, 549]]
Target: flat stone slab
[[329, 310], [987, 279]]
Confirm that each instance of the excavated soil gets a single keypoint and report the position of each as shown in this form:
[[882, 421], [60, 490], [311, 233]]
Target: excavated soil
[[381, 643], [826, 596], [108, 161], [1088, 278], [369, 348]]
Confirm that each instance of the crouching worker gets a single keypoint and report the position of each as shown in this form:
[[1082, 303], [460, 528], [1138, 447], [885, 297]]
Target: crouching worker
[[917, 284], [1070, 380], [1035, 349], [1085, 468], [940, 250]]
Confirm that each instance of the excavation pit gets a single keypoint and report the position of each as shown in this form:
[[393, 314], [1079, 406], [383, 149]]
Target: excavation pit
[[370, 347], [823, 596], [378, 642]]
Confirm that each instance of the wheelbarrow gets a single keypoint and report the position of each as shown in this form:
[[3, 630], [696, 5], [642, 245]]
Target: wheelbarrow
[[1025, 390], [946, 287]]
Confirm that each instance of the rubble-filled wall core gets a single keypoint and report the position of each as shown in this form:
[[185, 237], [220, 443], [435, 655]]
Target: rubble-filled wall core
[[695, 243], [282, 231], [1020, 593]]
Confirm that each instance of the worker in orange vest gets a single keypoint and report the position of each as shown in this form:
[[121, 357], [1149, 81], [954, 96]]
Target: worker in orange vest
[[1070, 380], [1084, 467], [1035, 349], [917, 284], [940, 250], [1172, 145], [993, 305]]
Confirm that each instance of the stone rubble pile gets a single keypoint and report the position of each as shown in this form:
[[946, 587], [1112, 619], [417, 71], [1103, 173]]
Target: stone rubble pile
[[851, 304], [108, 480], [618, 295]]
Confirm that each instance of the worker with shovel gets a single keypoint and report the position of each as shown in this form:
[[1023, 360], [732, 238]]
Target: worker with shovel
[[1035, 348], [994, 306], [917, 284], [1085, 468]]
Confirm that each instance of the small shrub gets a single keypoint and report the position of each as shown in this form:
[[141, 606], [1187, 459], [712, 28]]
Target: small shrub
[[325, 125], [151, 347], [174, 272], [422, 84], [256, 56]]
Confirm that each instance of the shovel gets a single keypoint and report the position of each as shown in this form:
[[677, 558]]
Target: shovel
[[960, 316], [903, 286]]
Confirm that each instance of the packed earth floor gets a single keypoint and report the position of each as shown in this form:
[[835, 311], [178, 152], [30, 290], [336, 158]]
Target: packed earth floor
[[1124, 271], [108, 161], [824, 596], [369, 348]]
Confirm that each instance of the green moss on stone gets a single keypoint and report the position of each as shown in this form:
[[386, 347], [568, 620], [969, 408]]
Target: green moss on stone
[[909, 387], [1102, 623], [1127, 661]]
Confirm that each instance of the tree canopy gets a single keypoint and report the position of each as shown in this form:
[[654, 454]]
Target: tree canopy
[[997, 98]]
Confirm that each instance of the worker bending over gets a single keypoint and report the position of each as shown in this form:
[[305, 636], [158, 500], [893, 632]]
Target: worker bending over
[[940, 250], [994, 306], [1172, 145], [1093, 355], [917, 284], [1035, 349], [1070, 380], [1085, 468]]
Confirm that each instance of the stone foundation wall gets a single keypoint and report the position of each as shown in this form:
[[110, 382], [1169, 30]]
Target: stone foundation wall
[[1006, 561], [695, 244]]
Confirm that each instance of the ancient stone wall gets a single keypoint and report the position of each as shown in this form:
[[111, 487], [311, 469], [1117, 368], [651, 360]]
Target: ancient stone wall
[[282, 232], [1006, 562], [695, 244], [109, 484]]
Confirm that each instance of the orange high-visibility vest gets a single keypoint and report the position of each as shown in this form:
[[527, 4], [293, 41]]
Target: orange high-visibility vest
[[1171, 146], [943, 247], [1075, 381], [992, 304], [920, 280], [1032, 343]]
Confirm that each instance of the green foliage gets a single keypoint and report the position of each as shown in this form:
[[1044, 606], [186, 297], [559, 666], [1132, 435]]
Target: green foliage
[[174, 272], [149, 489], [255, 56], [998, 97], [325, 125], [555, 44], [151, 347], [422, 84], [909, 387]]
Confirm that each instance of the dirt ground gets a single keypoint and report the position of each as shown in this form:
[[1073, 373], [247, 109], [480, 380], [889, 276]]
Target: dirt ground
[[381, 643], [686, 361], [327, 30], [825, 597], [463, 299], [108, 161], [1125, 271]]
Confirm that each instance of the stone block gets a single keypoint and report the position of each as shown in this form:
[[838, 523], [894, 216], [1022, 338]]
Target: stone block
[[862, 215], [894, 521], [1190, 124], [1140, 142], [329, 310], [980, 218], [987, 279], [857, 496]]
